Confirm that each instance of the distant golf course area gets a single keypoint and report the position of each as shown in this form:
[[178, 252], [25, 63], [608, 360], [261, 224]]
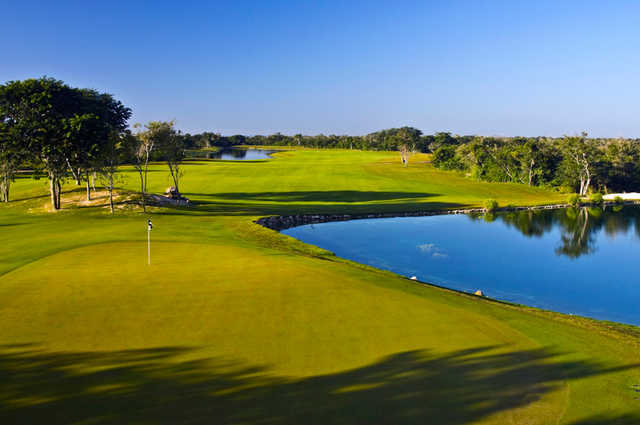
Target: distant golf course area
[[234, 323]]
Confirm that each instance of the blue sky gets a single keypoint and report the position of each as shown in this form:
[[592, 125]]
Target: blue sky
[[256, 67]]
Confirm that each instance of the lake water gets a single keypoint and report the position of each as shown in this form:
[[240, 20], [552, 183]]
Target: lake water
[[581, 261], [233, 154]]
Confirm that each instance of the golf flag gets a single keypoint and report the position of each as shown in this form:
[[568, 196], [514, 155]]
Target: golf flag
[[150, 224]]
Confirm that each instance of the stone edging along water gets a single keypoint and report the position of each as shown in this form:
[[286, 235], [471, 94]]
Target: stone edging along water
[[282, 222]]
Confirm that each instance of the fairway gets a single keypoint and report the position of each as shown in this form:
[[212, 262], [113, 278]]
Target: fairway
[[234, 323]]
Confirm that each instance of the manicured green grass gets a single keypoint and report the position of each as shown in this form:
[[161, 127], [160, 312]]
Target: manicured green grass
[[234, 323]]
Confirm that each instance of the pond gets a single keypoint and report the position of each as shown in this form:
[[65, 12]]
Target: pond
[[581, 261], [233, 154]]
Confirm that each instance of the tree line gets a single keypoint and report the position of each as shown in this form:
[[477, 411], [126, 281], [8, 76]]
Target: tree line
[[384, 140], [576, 163], [65, 133]]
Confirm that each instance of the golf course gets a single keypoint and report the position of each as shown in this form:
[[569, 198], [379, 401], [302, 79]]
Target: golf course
[[234, 323]]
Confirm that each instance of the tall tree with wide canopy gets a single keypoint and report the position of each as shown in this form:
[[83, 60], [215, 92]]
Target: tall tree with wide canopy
[[59, 125], [171, 146], [38, 111]]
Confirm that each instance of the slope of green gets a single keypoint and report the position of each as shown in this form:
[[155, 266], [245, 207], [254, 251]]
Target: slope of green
[[234, 323]]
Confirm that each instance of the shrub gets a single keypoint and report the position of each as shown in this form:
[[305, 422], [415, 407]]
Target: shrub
[[490, 205], [596, 198], [618, 200], [573, 199]]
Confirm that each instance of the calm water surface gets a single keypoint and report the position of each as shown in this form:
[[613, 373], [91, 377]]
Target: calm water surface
[[233, 154], [580, 261]]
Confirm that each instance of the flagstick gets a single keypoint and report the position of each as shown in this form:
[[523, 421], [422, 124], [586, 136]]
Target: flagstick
[[148, 246]]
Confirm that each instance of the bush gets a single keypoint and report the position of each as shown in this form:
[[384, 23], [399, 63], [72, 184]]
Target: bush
[[596, 199], [490, 205], [618, 200], [573, 199]]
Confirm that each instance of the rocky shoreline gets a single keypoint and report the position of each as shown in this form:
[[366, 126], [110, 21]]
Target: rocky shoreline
[[282, 222]]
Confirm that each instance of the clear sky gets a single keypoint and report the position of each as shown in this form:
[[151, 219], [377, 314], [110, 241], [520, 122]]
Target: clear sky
[[344, 67]]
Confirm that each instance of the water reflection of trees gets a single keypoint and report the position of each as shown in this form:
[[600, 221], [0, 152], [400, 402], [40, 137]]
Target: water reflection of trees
[[234, 153], [578, 226]]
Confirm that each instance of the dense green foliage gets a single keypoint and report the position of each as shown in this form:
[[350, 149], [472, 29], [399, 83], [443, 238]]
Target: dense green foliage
[[577, 163], [384, 140], [490, 205], [60, 129]]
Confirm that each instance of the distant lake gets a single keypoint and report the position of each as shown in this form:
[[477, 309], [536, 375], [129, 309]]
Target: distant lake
[[233, 154], [583, 261]]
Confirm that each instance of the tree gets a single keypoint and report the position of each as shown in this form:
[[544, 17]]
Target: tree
[[171, 147], [579, 154], [112, 152], [60, 126], [404, 155], [38, 111], [141, 151]]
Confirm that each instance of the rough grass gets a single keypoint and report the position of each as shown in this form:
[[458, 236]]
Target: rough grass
[[234, 323]]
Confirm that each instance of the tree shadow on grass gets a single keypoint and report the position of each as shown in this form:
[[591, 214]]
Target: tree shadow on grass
[[625, 419], [154, 386], [346, 196], [313, 202]]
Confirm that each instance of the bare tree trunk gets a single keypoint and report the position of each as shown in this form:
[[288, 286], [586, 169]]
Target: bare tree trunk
[[4, 195], [6, 170], [144, 204], [93, 181], [146, 168], [586, 185], [175, 175], [54, 188], [111, 192], [587, 174], [88, 186], [4, 188], [59, 193], [76, 174]]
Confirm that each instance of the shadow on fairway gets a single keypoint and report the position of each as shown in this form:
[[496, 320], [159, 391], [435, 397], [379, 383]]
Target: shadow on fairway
[[627, 419], [154, 386], [312, 202], [321, 196]]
